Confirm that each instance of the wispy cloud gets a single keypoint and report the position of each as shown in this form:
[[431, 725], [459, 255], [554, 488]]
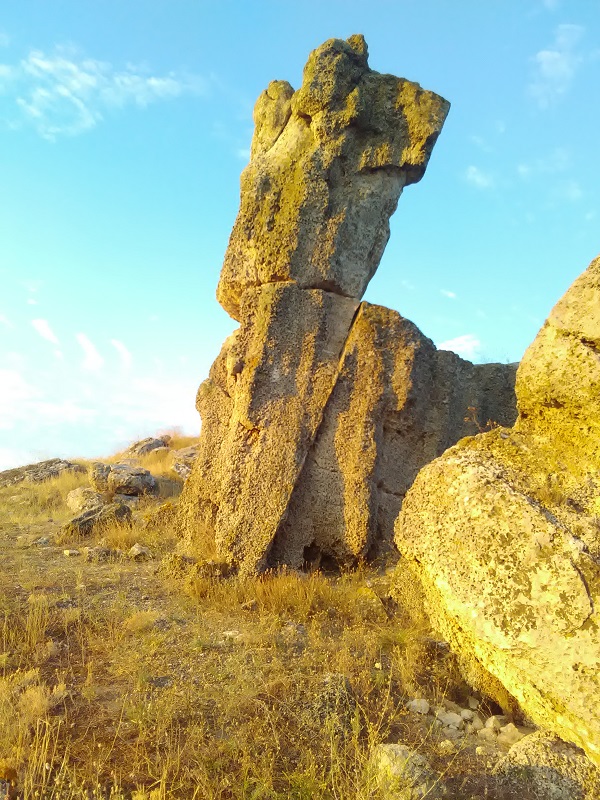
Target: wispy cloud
[[126, 357], [44, 330], [66, 93], [558, 160], [93, 361], [5, 321], [476, 177], [447, 293], [555, 67], [467, 346]]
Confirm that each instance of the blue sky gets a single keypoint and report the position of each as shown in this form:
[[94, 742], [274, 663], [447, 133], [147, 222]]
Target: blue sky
[[124, 125]]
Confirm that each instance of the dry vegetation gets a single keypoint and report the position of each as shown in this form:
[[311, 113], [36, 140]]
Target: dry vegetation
[[156, 680]]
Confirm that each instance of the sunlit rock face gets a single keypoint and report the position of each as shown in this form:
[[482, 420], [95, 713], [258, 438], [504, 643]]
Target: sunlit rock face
[[328, 164], [314, 392], [503, 531]]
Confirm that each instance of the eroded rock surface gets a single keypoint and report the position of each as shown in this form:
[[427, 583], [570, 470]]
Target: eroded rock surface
[[41, 471], [397, 404], [328, 164], [503, 531], [311, 397]]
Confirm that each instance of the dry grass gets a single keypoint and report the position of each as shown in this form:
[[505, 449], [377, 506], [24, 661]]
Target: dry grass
[[28, 503], [149, 680]]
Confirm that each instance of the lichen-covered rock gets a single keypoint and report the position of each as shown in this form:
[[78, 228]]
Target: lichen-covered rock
[[183, 459], [96, 518], [397, 404], [122, 479], [98, 475], [145, 446], [316, 418], [328, 164], [401, 772], [282, 366], [36, 473], [543, 767], [503, 531], [83, 499]]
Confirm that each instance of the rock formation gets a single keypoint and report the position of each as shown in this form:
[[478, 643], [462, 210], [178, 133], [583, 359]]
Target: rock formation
[[311, 397], [36, 473], [503, 531]]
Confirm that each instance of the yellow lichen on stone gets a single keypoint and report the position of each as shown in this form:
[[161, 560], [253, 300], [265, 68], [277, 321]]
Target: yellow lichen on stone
[[503, 531]]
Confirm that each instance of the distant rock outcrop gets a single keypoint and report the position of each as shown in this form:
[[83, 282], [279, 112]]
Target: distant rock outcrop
[[312, 395], [36, 473], [503, 531]]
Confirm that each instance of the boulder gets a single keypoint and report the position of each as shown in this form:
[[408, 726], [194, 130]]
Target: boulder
[[122, 479], [145, 446], [36, 473], [183, 459], [96, 518], [83, 499], [98, 475], [502, 532], [397, 404], [404, 773], [543, 767]]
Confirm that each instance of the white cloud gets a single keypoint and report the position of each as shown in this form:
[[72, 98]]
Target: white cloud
[[555, 68], [481, 143], [93, 361], [31, 301], [467, 346], [478, 178], [5, 321], [558, 160], [126, 357], [446, 293], [66, 93], [44, 330]]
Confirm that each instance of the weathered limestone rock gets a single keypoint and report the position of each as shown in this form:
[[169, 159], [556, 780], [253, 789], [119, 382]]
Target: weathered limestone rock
[[83, 499], [503, 531], [183, 459], [145, 446], [397, 404], [328, 164], [122, 479], [283, 364], [35, 473], [316, 418], [543, 767], [96, 518]]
